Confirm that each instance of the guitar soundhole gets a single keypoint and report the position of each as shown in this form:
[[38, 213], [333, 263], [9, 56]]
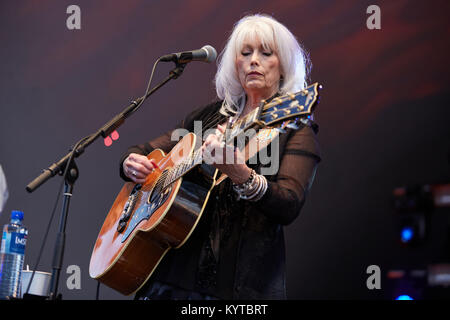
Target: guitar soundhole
[[159, 194]]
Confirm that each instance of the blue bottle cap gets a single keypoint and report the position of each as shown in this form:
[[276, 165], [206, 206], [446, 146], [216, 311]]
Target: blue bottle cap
[[15, 214]]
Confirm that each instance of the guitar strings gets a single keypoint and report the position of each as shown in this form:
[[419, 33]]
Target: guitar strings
[[213, 121], [210, 122]]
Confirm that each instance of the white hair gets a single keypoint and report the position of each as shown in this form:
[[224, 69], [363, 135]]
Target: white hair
[[294, 63]]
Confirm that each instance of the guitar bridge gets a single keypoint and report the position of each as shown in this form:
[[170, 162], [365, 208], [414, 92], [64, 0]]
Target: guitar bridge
[[128, 208]]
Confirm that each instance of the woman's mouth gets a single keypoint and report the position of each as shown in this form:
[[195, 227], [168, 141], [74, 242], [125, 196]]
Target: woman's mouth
[[254, 73]]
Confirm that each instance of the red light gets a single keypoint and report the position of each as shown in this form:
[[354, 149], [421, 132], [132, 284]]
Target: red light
[[107, 141], [395, 274], [115, 135]]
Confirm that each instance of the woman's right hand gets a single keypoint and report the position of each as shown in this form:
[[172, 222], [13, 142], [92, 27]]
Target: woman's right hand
[[137, 167]]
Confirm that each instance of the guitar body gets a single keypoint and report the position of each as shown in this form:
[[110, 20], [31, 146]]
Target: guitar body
[[158, 220]]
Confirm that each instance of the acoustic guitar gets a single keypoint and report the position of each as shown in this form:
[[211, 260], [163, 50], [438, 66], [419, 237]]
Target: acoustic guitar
[[147, 220]]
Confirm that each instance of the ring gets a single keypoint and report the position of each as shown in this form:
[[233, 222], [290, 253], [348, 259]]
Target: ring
[[133, 173]]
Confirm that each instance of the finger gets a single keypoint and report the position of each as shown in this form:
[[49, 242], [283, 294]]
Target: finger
[[139, 158], [140, 181], [133, 174], [218, 135], [144, 161], [209, 140], [206, 155], [139, 175], [143, 169], [221, 128], [128, 169], [133, 162], [138, 170], [134, 157]]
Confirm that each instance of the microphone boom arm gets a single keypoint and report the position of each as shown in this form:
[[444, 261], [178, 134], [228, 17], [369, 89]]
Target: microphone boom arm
[[104, 131]]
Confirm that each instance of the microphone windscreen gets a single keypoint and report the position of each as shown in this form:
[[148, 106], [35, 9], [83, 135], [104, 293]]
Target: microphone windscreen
[[211, 53]]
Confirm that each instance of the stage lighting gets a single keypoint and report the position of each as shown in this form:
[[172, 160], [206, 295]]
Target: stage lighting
[[404, 297], [404, 282], [413, 206], [412, 228], [407, 234]]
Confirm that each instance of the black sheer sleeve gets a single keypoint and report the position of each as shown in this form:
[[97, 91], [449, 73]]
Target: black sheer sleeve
[[286, 193]]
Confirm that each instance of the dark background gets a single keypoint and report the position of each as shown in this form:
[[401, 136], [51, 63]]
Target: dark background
[[383, 115]]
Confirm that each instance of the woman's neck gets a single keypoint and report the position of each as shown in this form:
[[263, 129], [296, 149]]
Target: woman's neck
[[253, 101]]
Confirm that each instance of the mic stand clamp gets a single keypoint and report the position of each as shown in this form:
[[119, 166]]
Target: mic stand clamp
[[178, 70]]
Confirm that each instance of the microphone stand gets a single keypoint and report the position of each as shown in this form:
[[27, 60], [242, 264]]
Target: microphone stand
[[72, 175]]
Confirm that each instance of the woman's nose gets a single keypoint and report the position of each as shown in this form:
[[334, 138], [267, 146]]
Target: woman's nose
[[254, 58]]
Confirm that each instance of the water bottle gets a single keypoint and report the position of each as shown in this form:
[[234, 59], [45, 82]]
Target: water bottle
[[12, 252]]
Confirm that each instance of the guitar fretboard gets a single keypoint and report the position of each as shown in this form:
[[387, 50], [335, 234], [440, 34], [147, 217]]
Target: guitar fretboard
[[186, 165], [182, 168]]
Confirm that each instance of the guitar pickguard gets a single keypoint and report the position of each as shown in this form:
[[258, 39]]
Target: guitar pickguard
[[158, 196]]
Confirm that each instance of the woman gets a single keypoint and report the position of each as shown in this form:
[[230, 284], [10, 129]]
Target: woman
[[237, 249]]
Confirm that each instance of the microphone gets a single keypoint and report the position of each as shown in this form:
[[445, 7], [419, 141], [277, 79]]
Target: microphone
[[206, 54]]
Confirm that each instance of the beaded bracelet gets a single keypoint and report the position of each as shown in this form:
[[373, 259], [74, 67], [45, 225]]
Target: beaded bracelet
[[253, 189], [261, 190], [247, 184]]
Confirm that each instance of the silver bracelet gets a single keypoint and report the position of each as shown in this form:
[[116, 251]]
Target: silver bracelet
[[263, 190], [252, 191], [247, 184]]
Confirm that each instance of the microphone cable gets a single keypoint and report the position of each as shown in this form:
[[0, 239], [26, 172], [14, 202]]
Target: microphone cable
[[144, 97]]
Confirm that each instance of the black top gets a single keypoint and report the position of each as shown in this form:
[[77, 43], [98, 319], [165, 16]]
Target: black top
[[239, 244]]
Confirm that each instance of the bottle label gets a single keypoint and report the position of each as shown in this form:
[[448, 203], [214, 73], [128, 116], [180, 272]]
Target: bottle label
[[14, 242]]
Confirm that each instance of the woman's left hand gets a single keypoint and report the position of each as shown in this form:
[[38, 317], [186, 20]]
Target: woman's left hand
[[228, 159]]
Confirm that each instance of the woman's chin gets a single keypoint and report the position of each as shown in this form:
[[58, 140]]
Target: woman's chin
[[255, 85]]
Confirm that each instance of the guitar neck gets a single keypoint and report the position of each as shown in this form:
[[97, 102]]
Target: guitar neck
[[195, 159], [183, 167]]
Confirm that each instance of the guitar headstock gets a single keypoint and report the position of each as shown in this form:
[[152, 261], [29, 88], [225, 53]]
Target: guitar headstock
[[290, 108]]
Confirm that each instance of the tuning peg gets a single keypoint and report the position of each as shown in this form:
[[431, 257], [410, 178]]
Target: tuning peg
[[293, 125], [306, 121]]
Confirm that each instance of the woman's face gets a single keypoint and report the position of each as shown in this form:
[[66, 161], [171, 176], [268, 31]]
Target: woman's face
[[258, 69]]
